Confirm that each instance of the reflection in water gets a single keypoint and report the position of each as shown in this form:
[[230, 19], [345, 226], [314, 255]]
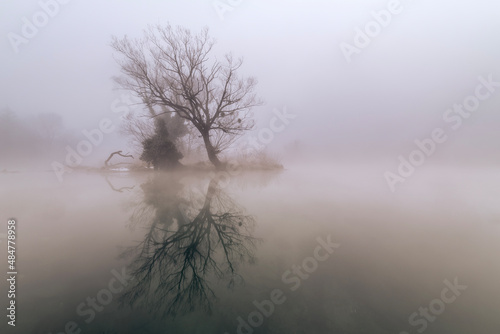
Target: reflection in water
[[395, 252], [188, 243], [119, 190]]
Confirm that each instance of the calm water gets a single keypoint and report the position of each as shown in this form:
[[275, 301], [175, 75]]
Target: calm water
[[163, 253]]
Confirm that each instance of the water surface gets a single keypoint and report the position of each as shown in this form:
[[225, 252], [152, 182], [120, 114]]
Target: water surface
[[178, 253]]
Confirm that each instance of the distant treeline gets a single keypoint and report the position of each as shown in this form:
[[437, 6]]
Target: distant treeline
[[30, 140]]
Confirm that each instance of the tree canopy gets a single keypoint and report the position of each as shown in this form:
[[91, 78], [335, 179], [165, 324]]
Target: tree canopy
[[171, 71]]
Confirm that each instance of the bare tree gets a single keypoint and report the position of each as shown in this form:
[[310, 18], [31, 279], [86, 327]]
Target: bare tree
[[138, 128], [171, 72], [50, 126]]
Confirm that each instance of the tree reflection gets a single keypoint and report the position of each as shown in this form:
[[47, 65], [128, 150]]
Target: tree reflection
[[188, 244]]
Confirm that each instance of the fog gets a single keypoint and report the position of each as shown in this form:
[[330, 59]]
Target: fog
[[394, 91], [385, 141]]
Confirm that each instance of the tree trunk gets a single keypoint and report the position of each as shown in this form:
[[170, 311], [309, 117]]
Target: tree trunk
[[212, 155]]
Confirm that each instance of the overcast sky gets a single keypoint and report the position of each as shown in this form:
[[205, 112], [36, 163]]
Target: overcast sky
[[393, 91]]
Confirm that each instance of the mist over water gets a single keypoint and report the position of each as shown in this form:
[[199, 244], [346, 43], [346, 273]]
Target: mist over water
[[395, 250], [356, 192]]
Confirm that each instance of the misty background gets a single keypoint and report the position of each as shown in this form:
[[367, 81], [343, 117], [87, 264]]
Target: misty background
[[372, 109], [353, 120]]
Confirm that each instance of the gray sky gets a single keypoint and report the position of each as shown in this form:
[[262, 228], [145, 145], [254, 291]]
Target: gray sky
[[394, 91]]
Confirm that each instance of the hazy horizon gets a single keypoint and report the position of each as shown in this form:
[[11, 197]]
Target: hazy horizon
[[394, 91]]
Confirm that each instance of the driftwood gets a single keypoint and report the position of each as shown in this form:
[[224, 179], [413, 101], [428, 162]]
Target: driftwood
[[120, 154]]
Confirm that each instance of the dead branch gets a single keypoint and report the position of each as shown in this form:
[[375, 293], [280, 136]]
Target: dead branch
[[120, 154]]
